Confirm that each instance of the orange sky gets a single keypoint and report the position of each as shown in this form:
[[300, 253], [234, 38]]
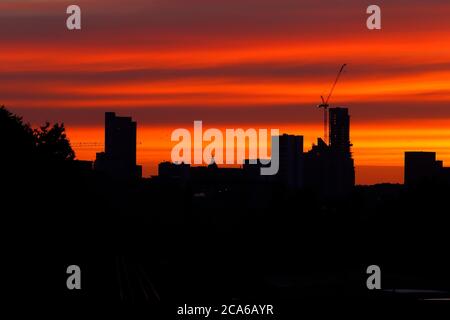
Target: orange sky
[[232, 64]]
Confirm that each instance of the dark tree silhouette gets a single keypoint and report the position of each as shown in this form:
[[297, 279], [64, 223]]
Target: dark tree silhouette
[[20, 143], [52, 143], [16, 138]]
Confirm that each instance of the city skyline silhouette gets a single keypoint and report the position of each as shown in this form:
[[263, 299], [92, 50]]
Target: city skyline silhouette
[[135, 238], [397, 171], [171, 72], [356, 214]]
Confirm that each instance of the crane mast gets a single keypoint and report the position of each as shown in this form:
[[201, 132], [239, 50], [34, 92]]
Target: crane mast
[[325, 104]]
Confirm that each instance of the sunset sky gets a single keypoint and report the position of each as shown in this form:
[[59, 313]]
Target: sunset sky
[[234, 64]]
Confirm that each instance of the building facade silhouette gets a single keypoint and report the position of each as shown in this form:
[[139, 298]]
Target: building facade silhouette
[[339, 130], [290, 172], [421, 166], [119, 158], [329, 168]]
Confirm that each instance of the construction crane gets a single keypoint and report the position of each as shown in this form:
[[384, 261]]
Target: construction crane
[[325, 104]]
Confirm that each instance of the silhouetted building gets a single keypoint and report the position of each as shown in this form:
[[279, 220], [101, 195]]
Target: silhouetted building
[[329, 169], [252, 171], [206, 175], [421, 166], [339, 121], [445, 174], [119, 158], [290, 173], [176, 172], [318, 167]]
